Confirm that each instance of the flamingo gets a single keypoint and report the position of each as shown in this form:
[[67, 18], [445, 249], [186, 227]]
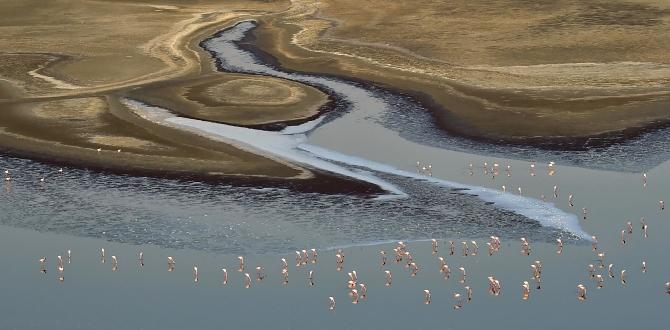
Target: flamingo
[[497, 244], [536, 273], [259, 273], [141, 258], [459, 300], [247, 281], [332, 303], [195, 274], [581, 292], [225, 276], [284, 274], [102, 255], [475, 248], [383, 257], [623, 276], [409, 258], [311, 278], [305, 257], [414, 268], [532, 169], [494, 286], [171, 264], [559, 248], [442, 262], [364, 291], [115, 264], [60, 265], [354, 296], [445, 271], [609, 270], [241, 266], [389, 278], [398, 257], [43, 262], [434, 244], [525, 247], [601, 258], [591, 270], [339, 259], [298, 259], [525, 290], [426, 297], [538, 264], [463, 274]]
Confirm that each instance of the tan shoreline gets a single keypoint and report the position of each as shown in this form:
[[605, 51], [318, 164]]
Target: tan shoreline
[[509, 102], [63, 107]]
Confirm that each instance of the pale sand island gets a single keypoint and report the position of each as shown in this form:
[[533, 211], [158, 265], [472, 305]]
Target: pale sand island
[[552, 73]]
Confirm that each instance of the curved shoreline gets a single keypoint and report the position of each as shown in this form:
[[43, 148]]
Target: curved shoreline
[[292, 144], [63, 138], [279, 44], [452, 124], [322, 183]]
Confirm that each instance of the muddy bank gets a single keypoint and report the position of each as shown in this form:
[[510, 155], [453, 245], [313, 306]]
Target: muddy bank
[[560, 119]]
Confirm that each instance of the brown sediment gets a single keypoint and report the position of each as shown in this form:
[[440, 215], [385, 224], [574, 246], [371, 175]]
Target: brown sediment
[[236, 99], [494, 93], [61, 86]]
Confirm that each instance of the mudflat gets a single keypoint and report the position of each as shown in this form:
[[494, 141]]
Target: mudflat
[[510, 70], [63, 78]]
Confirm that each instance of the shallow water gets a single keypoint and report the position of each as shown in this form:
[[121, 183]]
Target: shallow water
[[209, 225], [226, 219]]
